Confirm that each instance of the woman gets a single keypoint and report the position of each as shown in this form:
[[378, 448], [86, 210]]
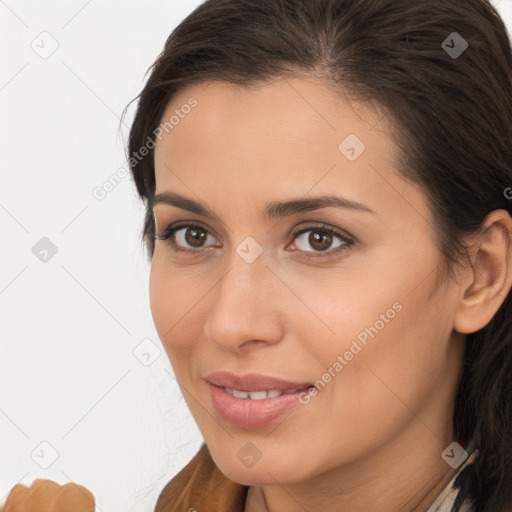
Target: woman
[[328, 195], [328, 214]]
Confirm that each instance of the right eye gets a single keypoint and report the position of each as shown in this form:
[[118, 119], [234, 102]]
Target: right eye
[[183, 236]]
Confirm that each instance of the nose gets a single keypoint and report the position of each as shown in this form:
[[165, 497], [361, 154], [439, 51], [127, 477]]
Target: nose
[[247, 306]]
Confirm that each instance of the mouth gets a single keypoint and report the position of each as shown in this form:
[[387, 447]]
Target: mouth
[[254, 409], [253, 385]]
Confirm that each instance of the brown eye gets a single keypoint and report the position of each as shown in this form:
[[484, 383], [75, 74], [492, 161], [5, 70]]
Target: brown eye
[[318, 239], [185, 237], [321, 240], [195, 236]]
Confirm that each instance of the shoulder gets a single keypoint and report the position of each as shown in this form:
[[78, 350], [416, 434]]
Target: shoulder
[[201, 485]]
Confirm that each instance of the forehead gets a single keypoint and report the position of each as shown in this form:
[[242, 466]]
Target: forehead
[[289, 112], [287, 137]]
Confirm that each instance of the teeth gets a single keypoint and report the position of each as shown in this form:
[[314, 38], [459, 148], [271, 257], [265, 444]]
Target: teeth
[[240, 394], [256, 395]]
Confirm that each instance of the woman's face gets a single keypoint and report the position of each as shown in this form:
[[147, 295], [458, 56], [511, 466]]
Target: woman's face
[[264, 289]]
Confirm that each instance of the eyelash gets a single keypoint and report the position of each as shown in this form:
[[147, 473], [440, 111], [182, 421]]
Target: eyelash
[[347, 241]]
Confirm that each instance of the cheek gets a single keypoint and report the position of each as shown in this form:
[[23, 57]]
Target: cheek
[[348, 310], [171, 301], [387, 336], [390, 368]]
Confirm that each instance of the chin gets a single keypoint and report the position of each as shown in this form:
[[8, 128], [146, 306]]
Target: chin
[[259, 477], [266, 471]]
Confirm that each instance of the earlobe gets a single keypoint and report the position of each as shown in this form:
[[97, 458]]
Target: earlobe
[[488, 279]]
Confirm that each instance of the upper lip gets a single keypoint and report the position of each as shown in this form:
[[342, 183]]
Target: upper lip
[[253, 382]]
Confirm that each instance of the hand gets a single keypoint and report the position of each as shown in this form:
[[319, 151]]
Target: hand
[[49, 496]]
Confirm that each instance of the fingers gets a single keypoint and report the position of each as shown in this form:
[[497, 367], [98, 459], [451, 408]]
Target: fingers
[[48, 496], [25, 499], [74, 497]]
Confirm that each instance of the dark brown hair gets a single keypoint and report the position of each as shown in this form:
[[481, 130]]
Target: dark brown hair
[[452, 119]]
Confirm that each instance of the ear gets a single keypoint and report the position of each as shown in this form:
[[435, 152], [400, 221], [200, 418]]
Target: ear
[[487, 281]]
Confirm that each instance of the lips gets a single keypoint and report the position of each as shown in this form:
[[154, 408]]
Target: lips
[[253, 382]]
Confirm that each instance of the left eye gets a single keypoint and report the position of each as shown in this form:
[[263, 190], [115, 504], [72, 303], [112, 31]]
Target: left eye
[[321, 239]]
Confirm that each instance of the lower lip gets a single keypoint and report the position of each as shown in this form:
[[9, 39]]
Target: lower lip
[[247, 413]]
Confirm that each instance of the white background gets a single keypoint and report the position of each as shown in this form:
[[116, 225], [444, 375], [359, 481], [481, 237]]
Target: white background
[[69, 376]]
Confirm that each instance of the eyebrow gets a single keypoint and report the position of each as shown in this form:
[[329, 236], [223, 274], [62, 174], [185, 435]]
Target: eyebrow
[[273, 210]]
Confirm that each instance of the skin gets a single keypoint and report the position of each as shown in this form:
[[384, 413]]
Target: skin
[[48, 496], [372, 438]]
